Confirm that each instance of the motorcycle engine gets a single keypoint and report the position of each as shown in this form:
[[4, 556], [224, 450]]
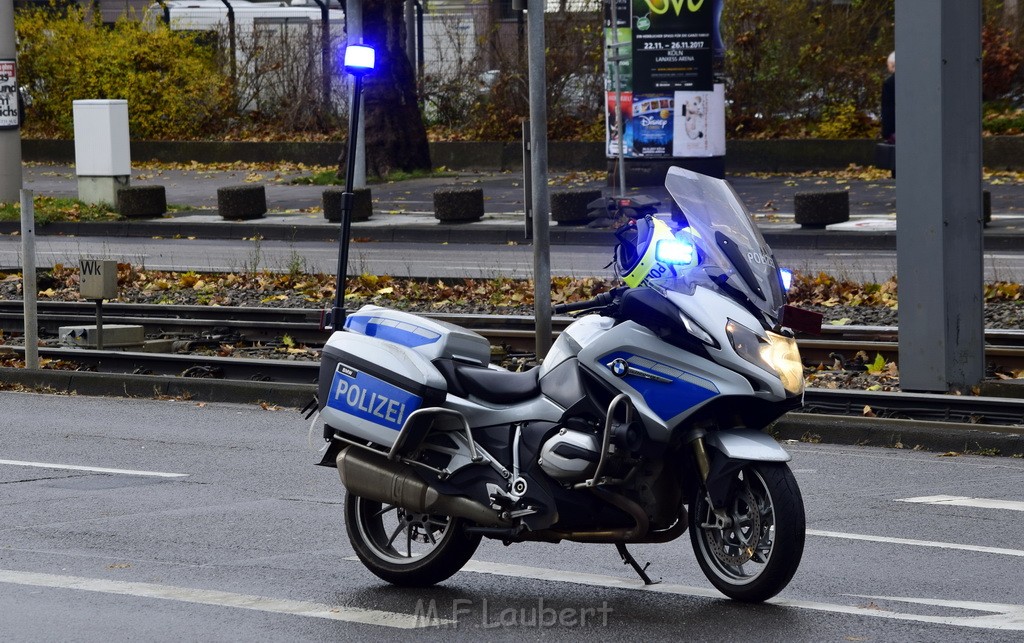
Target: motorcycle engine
[[570, 456]]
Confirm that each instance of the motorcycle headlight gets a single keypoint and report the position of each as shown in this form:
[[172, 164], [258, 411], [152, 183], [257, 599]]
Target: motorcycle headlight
[[774, 353]]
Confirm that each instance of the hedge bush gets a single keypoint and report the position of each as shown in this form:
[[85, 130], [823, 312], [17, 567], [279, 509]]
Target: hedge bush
[[173, 86]]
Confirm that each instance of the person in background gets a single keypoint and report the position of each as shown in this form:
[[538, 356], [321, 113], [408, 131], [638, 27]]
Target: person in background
[[889, 102]]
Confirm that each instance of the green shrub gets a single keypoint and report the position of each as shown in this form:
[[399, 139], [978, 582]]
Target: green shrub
[[173, 86], [791, 65], [844, 120]]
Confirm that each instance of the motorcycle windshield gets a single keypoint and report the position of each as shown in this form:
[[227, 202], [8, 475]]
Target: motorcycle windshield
[[731, 244]]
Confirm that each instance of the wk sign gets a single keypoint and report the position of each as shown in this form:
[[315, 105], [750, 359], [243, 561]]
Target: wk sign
[[8, 95], [98, 279]]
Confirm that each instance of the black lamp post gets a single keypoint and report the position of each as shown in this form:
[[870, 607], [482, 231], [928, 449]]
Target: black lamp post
[[359, 60]]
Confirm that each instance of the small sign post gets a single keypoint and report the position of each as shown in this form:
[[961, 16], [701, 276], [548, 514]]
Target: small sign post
[[98, 282]]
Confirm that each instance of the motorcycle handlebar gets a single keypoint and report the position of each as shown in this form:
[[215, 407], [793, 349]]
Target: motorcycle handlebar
[[600, 301]]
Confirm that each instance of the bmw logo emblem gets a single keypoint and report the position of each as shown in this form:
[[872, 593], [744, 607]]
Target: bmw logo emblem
[[619, 367]]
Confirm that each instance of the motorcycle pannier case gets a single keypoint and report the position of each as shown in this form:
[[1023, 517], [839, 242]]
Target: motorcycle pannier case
[[378, 371]]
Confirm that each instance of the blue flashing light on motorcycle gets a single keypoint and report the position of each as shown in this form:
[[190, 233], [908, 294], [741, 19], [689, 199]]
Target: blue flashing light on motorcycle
[[787, 278], [679, 251]]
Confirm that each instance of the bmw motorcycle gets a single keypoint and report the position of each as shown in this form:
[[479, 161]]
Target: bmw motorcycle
[[644, 420]]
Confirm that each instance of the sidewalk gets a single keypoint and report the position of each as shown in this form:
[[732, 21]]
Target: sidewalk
[[403, 211]]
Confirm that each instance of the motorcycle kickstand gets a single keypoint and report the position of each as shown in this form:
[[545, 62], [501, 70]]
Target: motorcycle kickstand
[[627, 559]]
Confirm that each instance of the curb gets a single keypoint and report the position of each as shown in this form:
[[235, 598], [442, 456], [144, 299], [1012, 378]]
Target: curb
[[748, 155], [802, 427], [900, 434], [440, 233], [457, 233], [157, 386]]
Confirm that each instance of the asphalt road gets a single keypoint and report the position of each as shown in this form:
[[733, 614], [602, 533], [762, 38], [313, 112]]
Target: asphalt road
[[199, 521], [426, 259]]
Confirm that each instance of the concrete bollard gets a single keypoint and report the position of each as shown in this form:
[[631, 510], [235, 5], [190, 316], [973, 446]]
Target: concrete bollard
[[816, 210], [139, 201], [242, 202], [569, 207], [362, 204], [458, 205]]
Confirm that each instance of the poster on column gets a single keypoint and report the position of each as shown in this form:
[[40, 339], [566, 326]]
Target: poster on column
[[652, 125], [672, 45], [8, 95], [699, 123], [626, 101]]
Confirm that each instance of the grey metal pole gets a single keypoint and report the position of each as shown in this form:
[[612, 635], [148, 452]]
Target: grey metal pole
[[539, 176], [10, 139], [938, 194], [28, 279], [99, 323], [325, 55], [527, 183], [616, 56]]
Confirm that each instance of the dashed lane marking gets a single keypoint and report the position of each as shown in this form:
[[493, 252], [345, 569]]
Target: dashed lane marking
[[995, 616], [918, 543], [963, 501], [224, 599], [75, 467]]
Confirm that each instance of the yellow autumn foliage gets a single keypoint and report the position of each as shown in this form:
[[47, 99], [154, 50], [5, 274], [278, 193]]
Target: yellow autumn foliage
[[173, 85]]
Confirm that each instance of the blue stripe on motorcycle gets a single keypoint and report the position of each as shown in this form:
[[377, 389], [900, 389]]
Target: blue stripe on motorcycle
[[666, 399], [390, 330]]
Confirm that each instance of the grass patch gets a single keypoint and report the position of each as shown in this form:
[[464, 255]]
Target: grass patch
[[323, 177], [53, 209]]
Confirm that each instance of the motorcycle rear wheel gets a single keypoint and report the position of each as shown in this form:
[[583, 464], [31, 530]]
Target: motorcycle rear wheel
[[756, 556], [404, 548]]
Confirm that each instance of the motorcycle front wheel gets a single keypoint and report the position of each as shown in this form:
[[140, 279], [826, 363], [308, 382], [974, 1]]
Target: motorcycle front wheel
[[752, 551], [406, 548]]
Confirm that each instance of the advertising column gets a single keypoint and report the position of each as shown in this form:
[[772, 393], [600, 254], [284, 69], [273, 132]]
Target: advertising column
[[10, 111], [678, 103]]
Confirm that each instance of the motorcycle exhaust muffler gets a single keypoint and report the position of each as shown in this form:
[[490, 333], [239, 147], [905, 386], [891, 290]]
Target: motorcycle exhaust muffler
[[372, 476]]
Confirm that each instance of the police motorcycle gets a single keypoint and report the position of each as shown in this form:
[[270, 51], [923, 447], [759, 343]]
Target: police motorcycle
[[644, 420]]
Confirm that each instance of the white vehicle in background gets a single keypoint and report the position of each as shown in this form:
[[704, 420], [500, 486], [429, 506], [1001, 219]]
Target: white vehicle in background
[[275, 49], [214, 15]]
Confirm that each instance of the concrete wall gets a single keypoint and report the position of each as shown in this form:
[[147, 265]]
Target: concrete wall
[[1000, 152]]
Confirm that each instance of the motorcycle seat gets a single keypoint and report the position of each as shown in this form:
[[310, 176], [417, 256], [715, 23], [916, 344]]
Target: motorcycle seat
[[502, 387]]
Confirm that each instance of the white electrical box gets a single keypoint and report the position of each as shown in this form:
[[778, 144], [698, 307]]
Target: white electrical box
[[101, 138]]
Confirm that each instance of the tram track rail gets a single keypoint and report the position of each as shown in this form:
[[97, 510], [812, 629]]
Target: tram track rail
[[517, 332], [964, 409], [514, 332]]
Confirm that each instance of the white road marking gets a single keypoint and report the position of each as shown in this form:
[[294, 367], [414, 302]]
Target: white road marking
[[997, 616], [75, 467], [918, 543], [224, 599], [963, 501]]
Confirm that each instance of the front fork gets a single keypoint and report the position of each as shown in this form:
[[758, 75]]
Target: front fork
[[700, 455]]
